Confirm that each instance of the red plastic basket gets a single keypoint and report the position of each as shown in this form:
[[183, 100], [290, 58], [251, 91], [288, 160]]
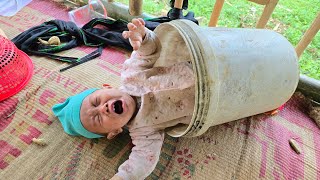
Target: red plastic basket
[[16, 69]]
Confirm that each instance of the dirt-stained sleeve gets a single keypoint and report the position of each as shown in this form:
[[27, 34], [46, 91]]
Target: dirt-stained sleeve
[[144, 156], [145, 56]]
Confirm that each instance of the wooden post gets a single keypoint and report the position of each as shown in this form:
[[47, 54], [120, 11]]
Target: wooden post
[[261, 2], [308, 36], [178, 4], [135, 7], [267, 11], [215, 13]]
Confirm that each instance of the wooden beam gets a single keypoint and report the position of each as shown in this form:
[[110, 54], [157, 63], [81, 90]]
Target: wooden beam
[[178, 4], [135, 7], [267, 11], [216, 13], [118, 10], [261, 2], [308, 36]]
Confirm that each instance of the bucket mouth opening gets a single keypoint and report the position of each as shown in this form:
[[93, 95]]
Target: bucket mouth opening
[[185, 36]]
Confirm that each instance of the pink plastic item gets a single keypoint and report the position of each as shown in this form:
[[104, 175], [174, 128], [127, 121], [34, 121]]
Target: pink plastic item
[[16, 69]]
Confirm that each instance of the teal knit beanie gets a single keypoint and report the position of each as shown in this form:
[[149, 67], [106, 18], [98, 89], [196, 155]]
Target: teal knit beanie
[[68, 113]]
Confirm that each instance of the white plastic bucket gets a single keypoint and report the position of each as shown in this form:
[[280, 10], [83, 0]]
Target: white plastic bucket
[[239, 72]]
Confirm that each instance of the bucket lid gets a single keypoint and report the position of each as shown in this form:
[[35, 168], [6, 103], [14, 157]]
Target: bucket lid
[[16, 69]]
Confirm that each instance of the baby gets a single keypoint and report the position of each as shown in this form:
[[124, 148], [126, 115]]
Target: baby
[[149, 100]]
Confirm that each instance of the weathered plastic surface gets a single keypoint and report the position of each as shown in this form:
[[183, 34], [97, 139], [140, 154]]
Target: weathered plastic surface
[[239, 72]]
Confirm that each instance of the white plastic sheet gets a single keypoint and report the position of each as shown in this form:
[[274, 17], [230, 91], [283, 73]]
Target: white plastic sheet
[[11, 7]]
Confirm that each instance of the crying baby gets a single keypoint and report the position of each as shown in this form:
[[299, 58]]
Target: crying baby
[[149, 100]]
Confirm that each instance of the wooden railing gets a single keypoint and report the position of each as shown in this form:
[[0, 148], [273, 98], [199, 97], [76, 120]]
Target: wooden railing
[[264, 18]]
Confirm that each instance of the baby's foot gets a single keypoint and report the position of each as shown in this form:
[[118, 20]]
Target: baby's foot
[[136, 33]]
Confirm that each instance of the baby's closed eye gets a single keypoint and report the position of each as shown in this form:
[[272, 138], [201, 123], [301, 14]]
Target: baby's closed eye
[[96, 102]]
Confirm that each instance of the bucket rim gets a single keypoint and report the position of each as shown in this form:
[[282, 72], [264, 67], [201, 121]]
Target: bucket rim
[[188, 32]]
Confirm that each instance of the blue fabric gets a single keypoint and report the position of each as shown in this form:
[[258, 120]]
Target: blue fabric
[[68, 113]]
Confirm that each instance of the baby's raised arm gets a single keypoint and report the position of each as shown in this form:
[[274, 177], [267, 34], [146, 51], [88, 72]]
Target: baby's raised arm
[[146, 47], [143, 41]]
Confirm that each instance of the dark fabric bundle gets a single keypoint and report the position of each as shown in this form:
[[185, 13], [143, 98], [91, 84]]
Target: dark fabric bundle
[[154, 22], [109, 33], [99, 32]]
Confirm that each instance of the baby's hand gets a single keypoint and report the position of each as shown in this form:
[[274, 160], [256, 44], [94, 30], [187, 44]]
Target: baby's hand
[[136, 33]]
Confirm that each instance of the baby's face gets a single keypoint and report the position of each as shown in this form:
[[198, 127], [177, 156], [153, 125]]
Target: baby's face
[[106, 110]]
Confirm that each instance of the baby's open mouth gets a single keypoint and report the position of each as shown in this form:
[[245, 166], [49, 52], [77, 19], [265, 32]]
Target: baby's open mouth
[[117, 107]]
